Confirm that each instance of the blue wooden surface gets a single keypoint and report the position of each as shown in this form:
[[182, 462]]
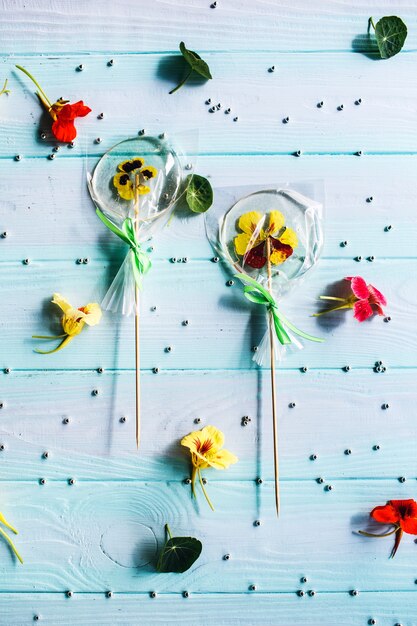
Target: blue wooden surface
[[102, 532]]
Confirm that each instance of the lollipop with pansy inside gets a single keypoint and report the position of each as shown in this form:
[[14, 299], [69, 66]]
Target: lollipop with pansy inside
[[272, 238], [134, 186]]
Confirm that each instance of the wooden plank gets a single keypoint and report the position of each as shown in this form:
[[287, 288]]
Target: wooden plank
[[93, 537], [250, 609], [45, 26], [223, 326], [266, 99], [62, 208], [95, 445]]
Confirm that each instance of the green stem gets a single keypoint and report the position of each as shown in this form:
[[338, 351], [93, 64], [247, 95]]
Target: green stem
[[371, 21], [11, 544], [193, 475], [391, 532], [182, 82], [22, 69], [204, 491], [335, 308], [332, 298], [4, 90], [49, 336], [6, 523], [61, 345], [168, 531]]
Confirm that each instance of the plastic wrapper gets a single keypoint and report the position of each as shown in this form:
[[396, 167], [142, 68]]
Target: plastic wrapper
[[135, 185], [273, 236]]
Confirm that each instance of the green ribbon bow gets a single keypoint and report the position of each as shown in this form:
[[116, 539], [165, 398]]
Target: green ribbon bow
[[258, 294], [141, 262]]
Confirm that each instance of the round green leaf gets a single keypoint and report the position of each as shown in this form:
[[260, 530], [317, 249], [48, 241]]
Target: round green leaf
[[199, 194], [195, 61], [390, 33], [179, 554]]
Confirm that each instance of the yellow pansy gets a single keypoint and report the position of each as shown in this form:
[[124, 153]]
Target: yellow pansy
[[206, 448], [73, 321], [6, 536], [129, 173], [257, 229]]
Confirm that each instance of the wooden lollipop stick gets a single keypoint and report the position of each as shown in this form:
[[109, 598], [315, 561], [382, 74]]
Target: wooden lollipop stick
[[273, 388], [137, 326]]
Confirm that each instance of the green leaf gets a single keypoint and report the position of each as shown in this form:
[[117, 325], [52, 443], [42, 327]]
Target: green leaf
[[178, 554], [390, 33], [196, 64], [199, 194], [195, 61]]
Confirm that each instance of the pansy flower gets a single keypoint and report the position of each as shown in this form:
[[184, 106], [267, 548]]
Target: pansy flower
[[252, 242], [6, 536], [73, 321], [132, 176], [206, 448], [62, 112], [365, 300], [402, 514]]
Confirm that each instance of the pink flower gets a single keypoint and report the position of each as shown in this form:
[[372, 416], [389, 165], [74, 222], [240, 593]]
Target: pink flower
[[365, 300], [368, 299]]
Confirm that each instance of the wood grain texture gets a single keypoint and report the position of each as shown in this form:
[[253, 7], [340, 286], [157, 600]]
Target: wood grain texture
[[102, 533], [93, 526], [242, 83]]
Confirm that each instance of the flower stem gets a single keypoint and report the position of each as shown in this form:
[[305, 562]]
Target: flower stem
[[204, 491], [168, 531], [48, 336], [61, 345], [22, 69], [391, 532], [11, 544], [371, 21], [4, 90], [193, 475], [335, 308], [184, 80], [332, 298]]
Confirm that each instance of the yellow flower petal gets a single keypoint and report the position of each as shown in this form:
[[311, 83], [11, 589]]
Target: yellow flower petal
[[276, 222], [248, 222], [242, 243], [277, 257], [148, 172], [124, 186], [289, 237], [131, 165], [200, 442], [221, 459], [143, 190], [63, 304], [73, 322], [92, 313]]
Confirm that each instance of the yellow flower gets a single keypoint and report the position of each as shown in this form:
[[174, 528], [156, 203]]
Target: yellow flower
[[125, 180], [6, 536], [206, 448], [73, 321], [251, 242]]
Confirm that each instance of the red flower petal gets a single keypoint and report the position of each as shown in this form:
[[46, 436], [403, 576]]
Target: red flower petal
[[409, 525], [405, 508], [359, 287], [362, 310], [64, 131], [255, 257], [79, 109], [282, 247], [385, 514], [376, 297]]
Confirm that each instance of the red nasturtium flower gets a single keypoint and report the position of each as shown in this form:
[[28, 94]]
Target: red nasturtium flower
[[62, 112], [365, 300], [402, 514]]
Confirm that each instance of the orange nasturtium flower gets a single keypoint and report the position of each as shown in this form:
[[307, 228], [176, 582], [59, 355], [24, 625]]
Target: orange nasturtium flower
[[73, 321], [206, 448], [402, 514], [62, 112], [256, 233], [131, 176], [6, 536]]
